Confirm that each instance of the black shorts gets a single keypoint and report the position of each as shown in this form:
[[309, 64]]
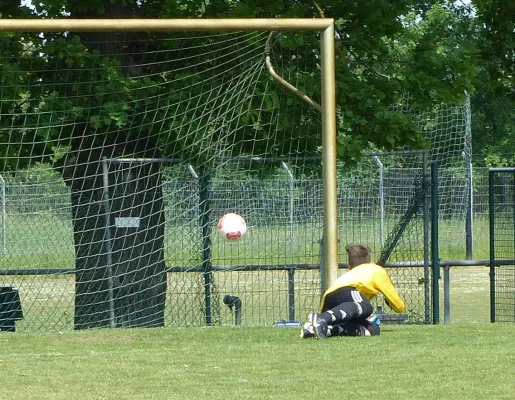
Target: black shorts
[[343, 295]]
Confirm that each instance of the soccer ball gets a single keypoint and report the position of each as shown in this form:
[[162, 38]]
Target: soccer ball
[[232, 227]]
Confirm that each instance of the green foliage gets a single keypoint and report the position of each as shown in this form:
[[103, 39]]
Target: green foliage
[[432, 50], [386, 51], [38, 173], [494, 102], [496, 25], [443, 57]]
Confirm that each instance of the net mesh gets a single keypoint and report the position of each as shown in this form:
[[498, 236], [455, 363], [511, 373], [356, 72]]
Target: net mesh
[[384, 203], [446, 128], [122, 150]]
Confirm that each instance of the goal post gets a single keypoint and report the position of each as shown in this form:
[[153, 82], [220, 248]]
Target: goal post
[[109, 204]]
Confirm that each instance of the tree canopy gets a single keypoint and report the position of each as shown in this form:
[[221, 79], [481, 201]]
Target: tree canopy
[[435, 51], [494, 97]]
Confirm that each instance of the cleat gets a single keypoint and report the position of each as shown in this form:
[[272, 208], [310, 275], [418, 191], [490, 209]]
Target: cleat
[[320, 327], [307, 330], [307, 333]]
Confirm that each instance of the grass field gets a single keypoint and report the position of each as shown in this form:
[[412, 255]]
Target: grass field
[[463, 361], [468, 359]]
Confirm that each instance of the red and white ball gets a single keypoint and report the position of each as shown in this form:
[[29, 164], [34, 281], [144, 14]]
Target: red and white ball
[[232, 227]]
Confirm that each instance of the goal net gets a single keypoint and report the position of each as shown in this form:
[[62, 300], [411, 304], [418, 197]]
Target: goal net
[[385, 202], [120, 151], [447, 130]]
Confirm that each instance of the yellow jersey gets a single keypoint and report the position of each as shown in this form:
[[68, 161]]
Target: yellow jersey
[[369, 279]]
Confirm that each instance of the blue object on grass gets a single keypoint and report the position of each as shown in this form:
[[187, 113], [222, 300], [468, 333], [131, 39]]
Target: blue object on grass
[[287, 324]]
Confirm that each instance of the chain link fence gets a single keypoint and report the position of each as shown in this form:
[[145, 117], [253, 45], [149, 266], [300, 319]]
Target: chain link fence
[[273, 270]]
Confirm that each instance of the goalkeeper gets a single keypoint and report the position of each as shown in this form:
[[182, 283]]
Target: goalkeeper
[[345, 308]]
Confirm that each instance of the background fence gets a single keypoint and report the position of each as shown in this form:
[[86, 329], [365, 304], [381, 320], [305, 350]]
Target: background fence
[[35, 215], [502, 244], [273, 271]]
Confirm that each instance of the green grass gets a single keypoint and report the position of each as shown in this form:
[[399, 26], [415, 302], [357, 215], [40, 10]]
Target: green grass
[[469, 295], [463, 361], [452, 245]]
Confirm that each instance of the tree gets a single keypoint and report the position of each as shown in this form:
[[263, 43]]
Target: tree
[[494, 101]]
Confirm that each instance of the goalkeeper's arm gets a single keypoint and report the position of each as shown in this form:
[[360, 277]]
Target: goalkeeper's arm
[[392, 298]]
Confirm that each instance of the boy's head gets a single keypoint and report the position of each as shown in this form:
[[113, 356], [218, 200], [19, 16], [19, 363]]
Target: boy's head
[[357, 254]]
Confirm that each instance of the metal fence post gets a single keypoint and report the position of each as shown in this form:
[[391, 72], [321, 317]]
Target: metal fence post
[[4, 216], [205, 211], [491, 212], [446, 295], [469, 216], [425, 212], [291, 294], [108, 241], [291, 203], [381, 199], [434, 243]]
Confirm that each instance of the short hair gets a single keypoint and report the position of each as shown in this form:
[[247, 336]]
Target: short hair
[[358, 254]]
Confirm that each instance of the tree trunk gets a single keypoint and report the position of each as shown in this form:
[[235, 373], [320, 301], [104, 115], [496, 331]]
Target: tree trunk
[[117, 209], [118, 222]]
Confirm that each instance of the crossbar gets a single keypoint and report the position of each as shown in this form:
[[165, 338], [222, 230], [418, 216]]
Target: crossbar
[[169, 25]]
